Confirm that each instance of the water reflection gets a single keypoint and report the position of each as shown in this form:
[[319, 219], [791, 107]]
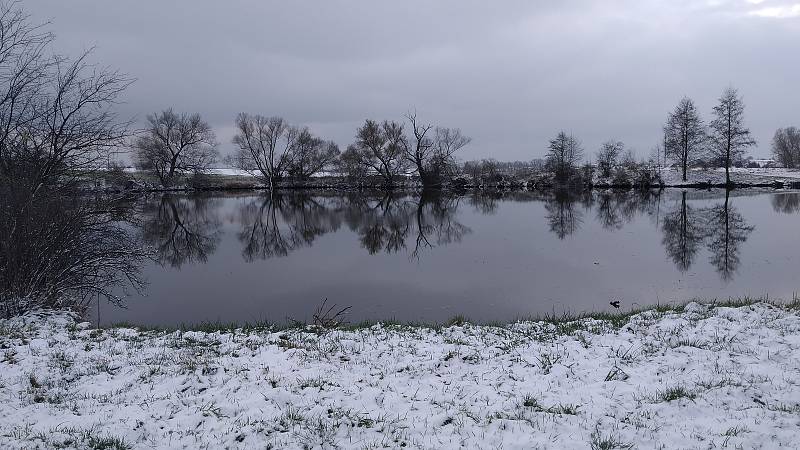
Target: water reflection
[[563, 213], [278, 224], [436, 221], [94, 244], [383, 224], [186, 229], [181, 229], [485, 202], [615, 209], [721, 227], [786, 203], [683, 234], [727, 231]]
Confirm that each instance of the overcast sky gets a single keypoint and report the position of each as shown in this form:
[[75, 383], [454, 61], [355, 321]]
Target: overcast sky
[[510, 74]]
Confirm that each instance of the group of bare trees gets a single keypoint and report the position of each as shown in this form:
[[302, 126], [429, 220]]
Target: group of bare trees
[[272, 149], [386, 150], [724, 140], [786, 147], [485, 170], [174, 145]]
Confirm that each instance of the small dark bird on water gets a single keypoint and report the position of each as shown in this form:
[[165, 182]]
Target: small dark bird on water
[[615, 304]]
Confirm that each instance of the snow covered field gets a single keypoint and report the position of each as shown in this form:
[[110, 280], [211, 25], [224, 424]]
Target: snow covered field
[[704, 377], [672, 176]]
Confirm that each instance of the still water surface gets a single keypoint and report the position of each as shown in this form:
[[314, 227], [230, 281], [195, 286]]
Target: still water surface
[[252, 257]]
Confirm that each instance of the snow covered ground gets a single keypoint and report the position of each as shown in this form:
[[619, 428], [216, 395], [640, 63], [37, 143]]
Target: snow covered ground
[[704, 377], [672, 176], [227, 171]]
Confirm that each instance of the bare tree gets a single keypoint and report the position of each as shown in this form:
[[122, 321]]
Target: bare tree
[[564, 154], [56, 115], [382, 149], [728, 137], [265, 146], [420, 148], [349, 164], [607, 157], [175, 144], [786, 147], [685, 134], [431, 150], [311, 155]]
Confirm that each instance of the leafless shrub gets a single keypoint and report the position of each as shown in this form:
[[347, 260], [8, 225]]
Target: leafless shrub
[[61, 252], [328, 317]]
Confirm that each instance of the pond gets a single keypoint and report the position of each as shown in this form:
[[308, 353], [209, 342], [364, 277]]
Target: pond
[[426, 258]]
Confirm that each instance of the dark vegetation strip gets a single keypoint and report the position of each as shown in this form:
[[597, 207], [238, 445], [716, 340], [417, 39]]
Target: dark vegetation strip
[[617, 319]]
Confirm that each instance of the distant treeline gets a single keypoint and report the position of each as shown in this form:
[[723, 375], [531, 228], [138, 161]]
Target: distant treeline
[[273, 150]]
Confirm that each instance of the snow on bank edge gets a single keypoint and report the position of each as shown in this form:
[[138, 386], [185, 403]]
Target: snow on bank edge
[[704, 377]]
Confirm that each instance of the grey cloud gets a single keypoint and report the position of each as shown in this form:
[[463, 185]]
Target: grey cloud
[[510, 74]]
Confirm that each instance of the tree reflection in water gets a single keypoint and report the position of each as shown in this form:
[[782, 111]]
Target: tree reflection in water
[[276, 224], [68, 249], [683, 234], [385, 222], [562, 213], [685, 229], [436, 222], [187, 228], [181, 228], [721, 227], [786, 203], [726, 231]]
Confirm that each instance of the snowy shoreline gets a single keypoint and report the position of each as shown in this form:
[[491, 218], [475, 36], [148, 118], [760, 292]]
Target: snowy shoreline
[[702, 376], [223, 179]]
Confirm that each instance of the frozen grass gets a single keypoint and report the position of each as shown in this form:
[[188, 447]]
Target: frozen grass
[[693, 376]]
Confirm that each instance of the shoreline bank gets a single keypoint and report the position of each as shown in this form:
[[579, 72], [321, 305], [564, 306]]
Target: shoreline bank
[[461, 189], [698, 179]]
